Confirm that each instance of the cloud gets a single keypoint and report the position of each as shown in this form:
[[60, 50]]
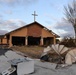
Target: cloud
[[64, 25], [8, 12], [21, 23], [64, 28], [56, 6], [11, 24], [2, 32], [51, 17], [17, 2], [1, 16]]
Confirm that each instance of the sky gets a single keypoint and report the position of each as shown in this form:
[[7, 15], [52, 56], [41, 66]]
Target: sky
[[17, 13]]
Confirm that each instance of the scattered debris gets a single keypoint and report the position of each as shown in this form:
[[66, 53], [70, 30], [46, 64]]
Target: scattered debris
[[45, 56], [11, 61], [13, 55], [23, 65], [6, 68], [58, 49], [70, 57]]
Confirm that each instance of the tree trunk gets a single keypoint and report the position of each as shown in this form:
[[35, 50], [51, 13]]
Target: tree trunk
[[75, 33]]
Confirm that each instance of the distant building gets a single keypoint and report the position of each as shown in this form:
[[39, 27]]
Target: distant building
[[31, 34]]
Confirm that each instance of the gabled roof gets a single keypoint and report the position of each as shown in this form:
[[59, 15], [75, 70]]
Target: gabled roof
[[32, 24], [25, 26]]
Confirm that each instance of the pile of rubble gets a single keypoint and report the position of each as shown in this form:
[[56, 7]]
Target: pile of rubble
[[15, 63], [60, 53]]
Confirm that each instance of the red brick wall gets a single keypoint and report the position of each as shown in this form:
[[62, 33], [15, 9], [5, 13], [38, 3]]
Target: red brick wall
[[34, 30]]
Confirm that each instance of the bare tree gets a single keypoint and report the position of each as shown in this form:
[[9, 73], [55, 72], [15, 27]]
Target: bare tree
[[70, 13]]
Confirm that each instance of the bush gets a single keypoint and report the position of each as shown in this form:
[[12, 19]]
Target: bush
[[68, 42]]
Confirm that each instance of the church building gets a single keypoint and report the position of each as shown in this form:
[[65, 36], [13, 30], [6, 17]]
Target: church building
[[30, 34]]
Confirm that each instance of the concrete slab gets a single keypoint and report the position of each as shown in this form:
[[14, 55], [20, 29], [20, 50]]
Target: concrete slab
[[25, 67], [12, 55], [4, 66], [46, 65], [69, 70], [3, 58]]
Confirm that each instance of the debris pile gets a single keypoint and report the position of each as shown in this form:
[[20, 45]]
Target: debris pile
[[64, 55], [16, 63], [12, 61], [6, 68], [70, 57]]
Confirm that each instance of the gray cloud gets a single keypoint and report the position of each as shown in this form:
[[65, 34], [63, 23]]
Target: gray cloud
[[12, 24], [64, 25], [64, 29], [2, 32], [21, 23]]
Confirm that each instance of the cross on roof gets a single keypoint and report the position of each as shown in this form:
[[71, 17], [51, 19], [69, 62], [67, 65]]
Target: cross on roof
[[34, 15]]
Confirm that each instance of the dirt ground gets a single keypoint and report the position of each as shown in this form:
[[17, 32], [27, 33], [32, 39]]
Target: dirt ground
[[31, 51]]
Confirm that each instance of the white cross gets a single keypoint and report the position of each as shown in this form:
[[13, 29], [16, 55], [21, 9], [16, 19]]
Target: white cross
[[34, 15]]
